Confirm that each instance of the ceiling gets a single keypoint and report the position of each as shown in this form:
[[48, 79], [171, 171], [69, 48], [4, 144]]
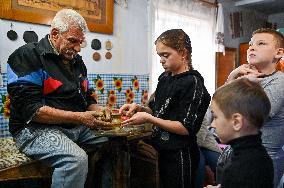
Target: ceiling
[[265, 6]]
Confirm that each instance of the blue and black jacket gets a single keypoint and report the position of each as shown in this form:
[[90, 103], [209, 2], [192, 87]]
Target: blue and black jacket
[[38, 77]]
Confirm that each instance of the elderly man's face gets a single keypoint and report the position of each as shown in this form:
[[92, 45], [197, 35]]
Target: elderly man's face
[[68, 43]]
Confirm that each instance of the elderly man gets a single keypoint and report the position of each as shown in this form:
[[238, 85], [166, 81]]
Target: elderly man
[[52, 110]]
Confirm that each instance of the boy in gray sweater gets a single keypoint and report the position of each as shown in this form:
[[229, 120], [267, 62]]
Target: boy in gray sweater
[[265, 50]]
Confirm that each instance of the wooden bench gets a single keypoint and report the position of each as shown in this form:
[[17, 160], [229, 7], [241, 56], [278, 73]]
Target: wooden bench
[[39, 175], [17, 170], [30, 170], [14, 165]]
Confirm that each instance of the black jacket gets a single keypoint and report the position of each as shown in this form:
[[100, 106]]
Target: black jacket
[[184, 98], [246, 164]]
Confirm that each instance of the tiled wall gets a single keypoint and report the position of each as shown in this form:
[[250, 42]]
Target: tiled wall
[[128, 92]]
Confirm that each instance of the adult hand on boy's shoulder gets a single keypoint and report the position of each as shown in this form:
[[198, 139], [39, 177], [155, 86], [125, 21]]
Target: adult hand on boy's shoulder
[[212, 186]]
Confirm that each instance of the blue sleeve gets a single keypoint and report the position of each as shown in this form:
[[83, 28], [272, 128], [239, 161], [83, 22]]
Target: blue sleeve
[[24, 86]]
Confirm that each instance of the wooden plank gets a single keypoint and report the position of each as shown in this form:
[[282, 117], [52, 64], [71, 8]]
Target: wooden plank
[[26, 171], [224, 65], [243, 53]]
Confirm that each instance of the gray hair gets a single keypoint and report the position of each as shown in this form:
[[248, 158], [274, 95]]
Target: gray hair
[[66, 18]]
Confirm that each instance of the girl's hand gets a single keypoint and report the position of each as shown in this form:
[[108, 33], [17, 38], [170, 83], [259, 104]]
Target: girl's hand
[[129, 109], [137, 119]]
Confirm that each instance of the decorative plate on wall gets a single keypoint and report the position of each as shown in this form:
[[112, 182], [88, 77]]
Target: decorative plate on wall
[[108, 55], [108, 45], [96, 44], [96, 56], [30, 36], [12, 35]]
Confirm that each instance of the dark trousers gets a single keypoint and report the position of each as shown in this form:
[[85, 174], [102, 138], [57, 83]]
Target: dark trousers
[[178, 167]]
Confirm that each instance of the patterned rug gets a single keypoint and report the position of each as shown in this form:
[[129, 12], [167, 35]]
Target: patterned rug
[[10, 156]]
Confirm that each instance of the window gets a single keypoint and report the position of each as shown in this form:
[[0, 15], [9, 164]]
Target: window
[[201, 33]]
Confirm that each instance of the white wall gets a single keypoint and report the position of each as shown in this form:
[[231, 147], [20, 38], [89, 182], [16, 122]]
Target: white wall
[[252, 20], [130, 42]]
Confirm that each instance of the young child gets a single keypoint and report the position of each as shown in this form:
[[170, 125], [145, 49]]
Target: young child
[[239, 111], [177, 110], [265, 50]]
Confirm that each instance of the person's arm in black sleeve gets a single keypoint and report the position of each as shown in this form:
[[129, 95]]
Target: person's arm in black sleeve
[[193, 104]]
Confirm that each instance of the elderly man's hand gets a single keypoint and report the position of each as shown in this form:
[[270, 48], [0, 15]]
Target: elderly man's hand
[[89, 117], [100, 123]]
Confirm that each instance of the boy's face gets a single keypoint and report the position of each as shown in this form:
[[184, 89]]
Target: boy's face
[[224, 126], [262, 49]]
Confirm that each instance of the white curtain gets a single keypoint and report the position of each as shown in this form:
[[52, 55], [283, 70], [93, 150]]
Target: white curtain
[[199, 22], [220, 47], [122, 3]]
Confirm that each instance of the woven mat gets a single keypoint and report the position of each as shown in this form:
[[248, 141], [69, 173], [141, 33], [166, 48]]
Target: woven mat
[[10, 156]]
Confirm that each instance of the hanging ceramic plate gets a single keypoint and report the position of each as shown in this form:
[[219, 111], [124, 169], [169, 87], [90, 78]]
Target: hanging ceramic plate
[[30, 36], [12, 35], [96, 44], [96, 56], [108, 45], [108, 55]]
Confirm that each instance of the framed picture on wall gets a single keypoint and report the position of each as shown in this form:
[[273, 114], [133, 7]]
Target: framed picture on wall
[[224, 65], [98, 13]]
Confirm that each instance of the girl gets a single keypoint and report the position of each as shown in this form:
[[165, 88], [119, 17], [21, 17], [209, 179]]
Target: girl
[[176, 111]]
